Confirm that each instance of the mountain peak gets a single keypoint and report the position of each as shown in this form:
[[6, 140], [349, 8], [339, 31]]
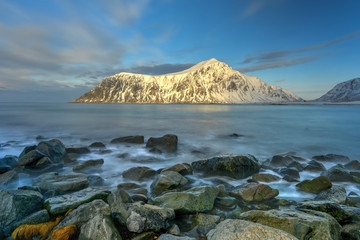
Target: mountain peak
[[344, 91]]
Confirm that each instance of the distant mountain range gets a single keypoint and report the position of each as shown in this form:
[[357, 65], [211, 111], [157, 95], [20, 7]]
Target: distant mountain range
[[343, 92], [210, 81]]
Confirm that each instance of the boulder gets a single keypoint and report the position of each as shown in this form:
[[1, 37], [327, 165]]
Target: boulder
[[144, 217], [314, 166], [292, 172], [182, 168], [196, 199], [281, 160], [97, 145], [85, 213], [173, 237], [353, 199], [331, 158], [265, 177], [309, 225], [167, 143], [232, 229], [26, 150], [168, 180], [15, 205], [8, 177], [290, 179], [100, 227], [30, 158], [139, 173], [129, 139], [34, 218], [128, 186], [316, 185], [255, 192], [202, 219], [9, 160], [225, 203], [298, 166], [342, 213], [234, 166], [351, 231], [55, 184], [53, 149], [353, 165], [339, 174], [336, 194], [61, 204], [88, 165], [95, 180], [77, 150]]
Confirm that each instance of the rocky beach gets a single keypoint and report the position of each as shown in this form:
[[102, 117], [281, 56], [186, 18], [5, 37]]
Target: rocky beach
[[56, 191]]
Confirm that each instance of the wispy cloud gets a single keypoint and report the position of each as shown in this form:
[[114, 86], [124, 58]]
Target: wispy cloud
[[255, 6], [290, 57]]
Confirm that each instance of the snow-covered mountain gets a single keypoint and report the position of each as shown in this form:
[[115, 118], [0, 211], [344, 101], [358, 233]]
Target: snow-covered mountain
[[210, 81], [343, 92]]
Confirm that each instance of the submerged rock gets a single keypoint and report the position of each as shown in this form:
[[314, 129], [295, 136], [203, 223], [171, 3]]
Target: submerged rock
[[255, 192], [61, 204], [309, 225], [168, 180], [88, 165], [55, 184], [167, 143], [129, 139], [97, 145], [234, 166], [53, 149], [100, 227], [316, 185], [232, 229], [196, 199], [331, 158], [292, 172], [265, 177], [77, 150], [353, 165], [314, 166], [15, 205], [339, 174], [139, 173]]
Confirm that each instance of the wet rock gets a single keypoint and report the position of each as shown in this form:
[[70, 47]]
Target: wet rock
[[281, 160], [292, 172], [336, 194], [234, 166], [156, 218], [129, 139], [339, 174], [135, 222], [15, 205], [351, 231], [353, 199], [355, 173], [353, 165], [95, 180], [196, 199], [167, 143], [34, 218], [30, 158], [53, 149], [55, 184], [316, 185], [173, 237], [85, 213], [298, 166], [8, 177], [97, 145], [145, 236], [100, 227], [225, 203], [174, 230], [77, 150], [235, 135], [40, 137], [139, 173], [265, 177], [309, 225], [61, 204], [290, 179], [182, 168], [9, 160], [139, 198], [254, 192], [202, 219], [168, 180], [243, 230], [27, 150], [342, 213], [314, 166], [88, 165], [331, 158], [128, 186], [4, 168]]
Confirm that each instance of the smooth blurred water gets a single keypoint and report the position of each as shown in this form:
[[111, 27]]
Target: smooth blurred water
[[267, 129]]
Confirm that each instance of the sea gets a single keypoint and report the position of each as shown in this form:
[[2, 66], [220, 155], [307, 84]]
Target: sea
[[203, 130]]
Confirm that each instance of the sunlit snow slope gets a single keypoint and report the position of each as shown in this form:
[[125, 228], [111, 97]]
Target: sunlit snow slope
[[210, 81], [343, 92]]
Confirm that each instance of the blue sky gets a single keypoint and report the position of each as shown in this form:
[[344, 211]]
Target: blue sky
[[56, 50]]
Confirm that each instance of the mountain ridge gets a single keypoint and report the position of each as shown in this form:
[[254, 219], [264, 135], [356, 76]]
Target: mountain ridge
[[343, 92], [209, 81]]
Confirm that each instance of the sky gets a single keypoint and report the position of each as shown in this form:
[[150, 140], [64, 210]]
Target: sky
[[56, 50]]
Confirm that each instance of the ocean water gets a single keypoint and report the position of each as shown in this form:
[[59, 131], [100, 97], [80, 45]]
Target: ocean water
[[203, 131]]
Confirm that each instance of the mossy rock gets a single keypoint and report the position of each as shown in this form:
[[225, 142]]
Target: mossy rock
[[316, 185]]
